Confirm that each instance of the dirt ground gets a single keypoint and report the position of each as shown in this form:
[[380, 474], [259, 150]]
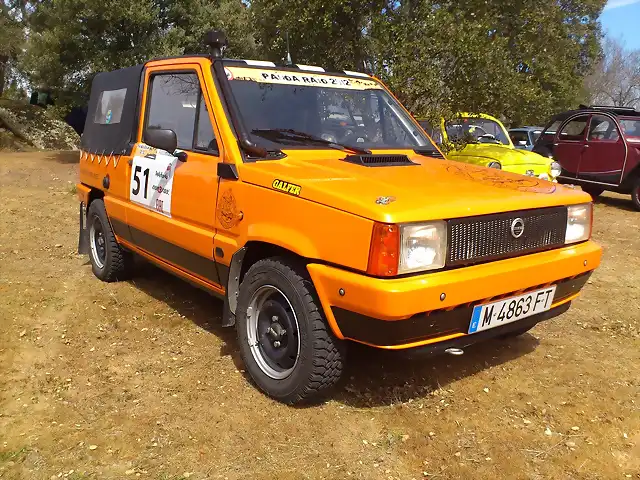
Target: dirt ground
[[138, 380]]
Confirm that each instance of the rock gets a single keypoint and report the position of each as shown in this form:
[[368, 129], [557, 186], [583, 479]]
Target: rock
[[575, 429], [23, 333], [130, 472], [526, 422], [571, 444], [548, 432], [485, 390], [93, 447]]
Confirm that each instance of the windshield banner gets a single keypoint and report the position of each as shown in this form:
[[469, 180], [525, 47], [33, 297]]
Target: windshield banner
[[301, 78]]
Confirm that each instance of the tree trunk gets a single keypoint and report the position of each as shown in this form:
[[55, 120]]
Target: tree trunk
[[13, 127], [3, 68]]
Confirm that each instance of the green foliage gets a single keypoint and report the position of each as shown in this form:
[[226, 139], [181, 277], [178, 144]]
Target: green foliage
[[72, 40], [520, 60]]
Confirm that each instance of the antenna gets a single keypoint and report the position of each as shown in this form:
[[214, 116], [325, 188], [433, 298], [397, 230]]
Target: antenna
[[288, 61], [217, 42]]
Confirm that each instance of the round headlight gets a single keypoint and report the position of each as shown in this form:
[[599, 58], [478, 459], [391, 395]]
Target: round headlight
[[556, 169], [495, 165], [543, 176]]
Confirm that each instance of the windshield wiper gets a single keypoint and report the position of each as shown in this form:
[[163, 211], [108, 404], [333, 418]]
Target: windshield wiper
[[287, 133]]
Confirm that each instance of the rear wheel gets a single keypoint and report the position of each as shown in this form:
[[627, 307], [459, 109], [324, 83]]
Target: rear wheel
[[635, 194], [109, 261], [595, 192], [285, 342]]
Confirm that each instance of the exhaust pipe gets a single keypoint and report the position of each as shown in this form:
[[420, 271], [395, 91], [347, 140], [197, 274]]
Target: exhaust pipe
[[454, 351]]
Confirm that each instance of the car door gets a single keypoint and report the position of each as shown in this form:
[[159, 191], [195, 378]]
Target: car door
[[570, 145], [605, 152], [171, 213]]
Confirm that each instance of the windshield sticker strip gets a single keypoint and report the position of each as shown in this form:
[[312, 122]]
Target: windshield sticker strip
[[306, 79]]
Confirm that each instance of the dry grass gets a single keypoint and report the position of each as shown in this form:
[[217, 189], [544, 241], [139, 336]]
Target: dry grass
[[137, 379]]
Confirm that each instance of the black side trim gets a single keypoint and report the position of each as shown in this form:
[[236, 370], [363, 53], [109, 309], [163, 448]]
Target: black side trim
[[192, 262], [121, 229], [424, 326], [223, 273], [613, 178]]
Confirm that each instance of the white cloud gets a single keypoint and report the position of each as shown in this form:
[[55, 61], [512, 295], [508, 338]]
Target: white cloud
[[611, 4]]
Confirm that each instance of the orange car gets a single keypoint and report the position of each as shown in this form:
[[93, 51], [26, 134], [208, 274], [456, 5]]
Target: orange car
[[320, 212]]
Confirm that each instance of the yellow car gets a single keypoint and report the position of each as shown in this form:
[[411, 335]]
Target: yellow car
[[490, 146]]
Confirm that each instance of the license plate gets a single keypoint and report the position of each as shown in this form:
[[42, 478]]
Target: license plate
[[512, 309]]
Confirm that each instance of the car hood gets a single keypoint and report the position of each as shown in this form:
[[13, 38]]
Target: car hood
[[431, 189], [504, 154]]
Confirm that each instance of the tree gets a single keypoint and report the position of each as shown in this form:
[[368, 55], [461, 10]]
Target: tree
[[11, 38], [72, 40], [615, 79], [518, 59]]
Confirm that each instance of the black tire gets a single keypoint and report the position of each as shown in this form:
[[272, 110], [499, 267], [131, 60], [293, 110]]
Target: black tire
[[291, 300], [635, 194], [109, 261], [595, 192]]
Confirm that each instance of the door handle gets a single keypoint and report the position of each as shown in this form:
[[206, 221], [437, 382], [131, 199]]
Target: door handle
[[586, 146]]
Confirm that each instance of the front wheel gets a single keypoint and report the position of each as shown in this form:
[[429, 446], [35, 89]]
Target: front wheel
[[285, 342], [635, 194]]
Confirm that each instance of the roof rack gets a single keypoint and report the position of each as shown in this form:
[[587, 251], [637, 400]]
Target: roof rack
[[611, 108]]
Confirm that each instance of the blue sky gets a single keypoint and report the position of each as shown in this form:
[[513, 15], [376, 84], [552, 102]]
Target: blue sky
[[621, 19]]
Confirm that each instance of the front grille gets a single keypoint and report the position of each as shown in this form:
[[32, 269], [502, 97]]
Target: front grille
[[489, 237]]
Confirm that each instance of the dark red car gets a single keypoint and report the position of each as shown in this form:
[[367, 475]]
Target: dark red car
[[597, 147]]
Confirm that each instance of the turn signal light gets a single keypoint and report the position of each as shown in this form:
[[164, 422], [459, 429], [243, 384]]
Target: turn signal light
[[385, 248]]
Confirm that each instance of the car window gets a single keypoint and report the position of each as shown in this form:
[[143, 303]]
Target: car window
[[434, 133], [574, 130], [205, 138], [176, 103], [517, 137], [603, 129], [631, 129], [535, 135]]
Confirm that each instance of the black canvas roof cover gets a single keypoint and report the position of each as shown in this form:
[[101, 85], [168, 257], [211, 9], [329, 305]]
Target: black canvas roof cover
[[112, 117]]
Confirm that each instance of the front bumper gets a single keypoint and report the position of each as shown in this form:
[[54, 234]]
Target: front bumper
[[396, 313]]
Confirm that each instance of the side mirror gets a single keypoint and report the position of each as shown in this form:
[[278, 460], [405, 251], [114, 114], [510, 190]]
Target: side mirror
[[164, 139]]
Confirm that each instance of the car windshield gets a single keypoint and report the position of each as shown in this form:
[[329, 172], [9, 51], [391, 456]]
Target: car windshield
[[482, 130], [535, 135], [303, 110], [631, 129]]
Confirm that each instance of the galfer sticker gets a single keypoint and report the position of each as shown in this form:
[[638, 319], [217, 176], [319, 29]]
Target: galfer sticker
[[151, 183], [286, 187], [299, 78]]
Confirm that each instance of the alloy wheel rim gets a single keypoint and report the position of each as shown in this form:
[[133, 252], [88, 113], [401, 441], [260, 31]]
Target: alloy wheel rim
[[97, 242], [272, 332]]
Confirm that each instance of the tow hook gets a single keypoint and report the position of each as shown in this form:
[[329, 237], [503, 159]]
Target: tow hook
[[454, 351]]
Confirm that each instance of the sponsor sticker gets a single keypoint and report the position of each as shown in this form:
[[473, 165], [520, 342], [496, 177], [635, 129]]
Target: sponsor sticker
[[286, 187], [299, 78]]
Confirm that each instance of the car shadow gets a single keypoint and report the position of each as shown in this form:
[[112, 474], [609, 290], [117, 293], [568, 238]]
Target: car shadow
[[372, 377], [65, 157], [191, 302], [623, 202], [381, 378]]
